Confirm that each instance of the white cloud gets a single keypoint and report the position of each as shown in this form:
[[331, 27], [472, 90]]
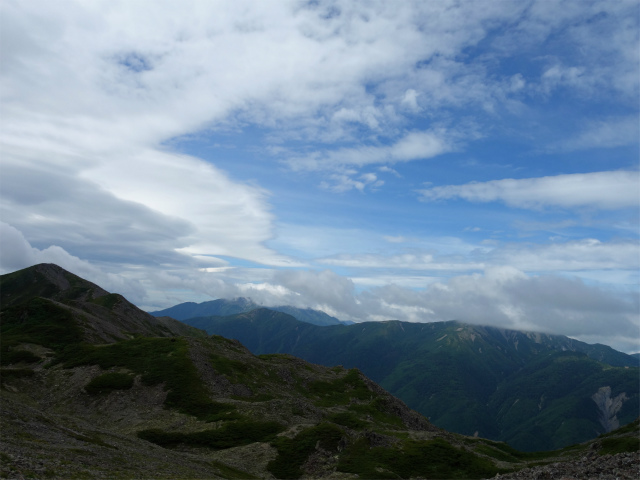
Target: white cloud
[[227, 217], [603, 190], [608, 133], [413, 282], [501, 296], [579, 257], [93, 92], [392, 239], [17, 253], [410, 100], [386, 169], [508, 298], [324, 290], [572, 256], [154, 204], [559, 75], [600, 39], [344, 182], [407, 261], [413, 146]]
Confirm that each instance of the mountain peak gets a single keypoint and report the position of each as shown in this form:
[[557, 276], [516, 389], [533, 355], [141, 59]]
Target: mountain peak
[[47, 280], [238, 305], [102, 317]]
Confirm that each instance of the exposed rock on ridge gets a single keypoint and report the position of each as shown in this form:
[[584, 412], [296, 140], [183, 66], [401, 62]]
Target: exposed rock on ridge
[[608, 407]]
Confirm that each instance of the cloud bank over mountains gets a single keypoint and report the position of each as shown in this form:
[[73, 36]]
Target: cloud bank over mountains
[[416, 160]]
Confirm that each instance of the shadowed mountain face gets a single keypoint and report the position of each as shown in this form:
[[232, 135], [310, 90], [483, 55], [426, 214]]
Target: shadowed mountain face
[[535, 391], [99, 316], [222, 307]]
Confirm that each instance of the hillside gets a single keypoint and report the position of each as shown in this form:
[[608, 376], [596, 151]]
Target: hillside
[[112, 392], [85, 310], [534, 391], [85, 394], [223, 307]]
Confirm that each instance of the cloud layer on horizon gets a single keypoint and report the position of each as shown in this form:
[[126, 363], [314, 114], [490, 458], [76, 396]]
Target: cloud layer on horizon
[[502, 296], [318, 154]]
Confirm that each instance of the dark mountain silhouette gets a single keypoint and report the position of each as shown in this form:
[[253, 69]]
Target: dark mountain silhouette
[[100, 316]]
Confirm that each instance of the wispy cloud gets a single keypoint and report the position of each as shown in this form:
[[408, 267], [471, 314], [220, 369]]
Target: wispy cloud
[[602, 190], [17, 253], [574, 256], [100, 98], [412, 146], [571, 256], [407, 261], [610, 133], [345, 182]]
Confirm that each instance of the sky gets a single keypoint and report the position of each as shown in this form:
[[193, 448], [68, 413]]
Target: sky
[[413, 160]]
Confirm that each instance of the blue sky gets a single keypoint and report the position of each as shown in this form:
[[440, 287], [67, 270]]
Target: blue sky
[[421, 161]]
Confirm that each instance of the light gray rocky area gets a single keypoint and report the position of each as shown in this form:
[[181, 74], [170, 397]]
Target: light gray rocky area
[[608, 408], [622, 466]]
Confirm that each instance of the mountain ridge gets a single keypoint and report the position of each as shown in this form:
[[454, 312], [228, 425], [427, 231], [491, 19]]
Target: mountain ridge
[[223, 307], [461, 376], [104, 316], [89, 394], [86, 393]]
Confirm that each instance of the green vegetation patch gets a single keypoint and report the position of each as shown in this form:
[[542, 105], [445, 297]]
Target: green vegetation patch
[[38, 321], [245, 373], [234, 370], [348, 419], [109, 382], [230, 435], [275, 356], [19, 356], [505, 452], [628, 428], [158, 360], [229, 343], [293, 452], [376, 409], [261, 397], [431, 459], [108, 301], [496, 453], [612, 446], [340, 391]]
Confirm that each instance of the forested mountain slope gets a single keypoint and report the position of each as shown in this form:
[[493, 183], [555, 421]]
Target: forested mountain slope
[[535, 391], [91, 387]]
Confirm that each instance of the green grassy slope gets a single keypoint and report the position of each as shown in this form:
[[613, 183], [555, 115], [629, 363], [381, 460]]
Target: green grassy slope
[[205, 407], [100, 315], [461, 376]]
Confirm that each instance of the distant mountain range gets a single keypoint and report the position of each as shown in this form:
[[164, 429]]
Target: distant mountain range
[[534, 391], [93, 387], [222, 307]]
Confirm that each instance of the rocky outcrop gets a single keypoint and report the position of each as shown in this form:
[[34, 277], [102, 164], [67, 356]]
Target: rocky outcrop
[[591, 467], [608, 408]]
